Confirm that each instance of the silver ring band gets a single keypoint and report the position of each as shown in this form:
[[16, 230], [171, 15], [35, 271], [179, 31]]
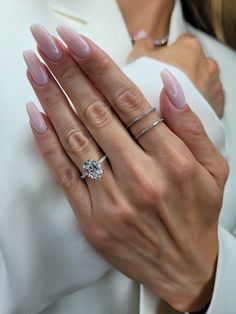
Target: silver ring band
[[93, 169], [160, 42], [140, 116], [148, 128]]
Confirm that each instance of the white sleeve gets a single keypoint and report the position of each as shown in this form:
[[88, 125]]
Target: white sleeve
[[43, 255], [224, 294]]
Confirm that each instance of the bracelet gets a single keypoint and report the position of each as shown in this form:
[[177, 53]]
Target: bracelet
[[203, 311]]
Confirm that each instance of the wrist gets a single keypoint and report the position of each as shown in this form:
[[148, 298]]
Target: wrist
[[203, 311], [203, 295], [198, 296]]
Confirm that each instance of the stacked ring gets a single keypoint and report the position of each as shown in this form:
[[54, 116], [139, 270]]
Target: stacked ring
[[139, 118]]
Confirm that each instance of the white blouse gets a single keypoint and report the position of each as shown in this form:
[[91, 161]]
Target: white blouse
[[46, 265]]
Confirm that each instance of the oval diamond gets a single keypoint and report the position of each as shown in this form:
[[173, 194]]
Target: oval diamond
[[93, 169]]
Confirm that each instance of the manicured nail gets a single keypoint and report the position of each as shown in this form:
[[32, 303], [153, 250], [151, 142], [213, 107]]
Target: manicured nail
[[46, 42], [36, 119], [141, 35], [74, 41], [173, 89], [36, 68]]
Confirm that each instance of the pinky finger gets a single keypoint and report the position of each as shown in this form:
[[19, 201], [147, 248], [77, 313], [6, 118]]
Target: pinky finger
[[63, 170]]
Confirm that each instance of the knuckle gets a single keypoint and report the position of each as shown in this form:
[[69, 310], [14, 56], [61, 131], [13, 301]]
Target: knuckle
[[193, 126], [183, 168], [219, 88], [52, 97], [100, 238], [193, 43], [105, 65], [125, 215], [213, 67], [68, 73], [98, 114], [49, 148], [129, 100], [184, 37], [66, 176], [203, 80], [77, 143]]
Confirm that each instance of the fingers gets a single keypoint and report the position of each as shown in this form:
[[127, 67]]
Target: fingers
[[91, 105], [191, 41], [185, 124], [213, 67], [61, 167], [216, 93], [124, 97], [73, 136]]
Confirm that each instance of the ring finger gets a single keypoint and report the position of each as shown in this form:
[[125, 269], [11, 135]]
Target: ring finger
[[75, 139]]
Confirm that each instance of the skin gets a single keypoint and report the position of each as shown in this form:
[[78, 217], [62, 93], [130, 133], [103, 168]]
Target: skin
[[154, 18], [153, 219], [204, 72]]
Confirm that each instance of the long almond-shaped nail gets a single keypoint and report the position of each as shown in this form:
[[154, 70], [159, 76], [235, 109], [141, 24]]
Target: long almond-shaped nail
[[36, 119], [74, 41], [46, 42], [173, 89], [36, 68]]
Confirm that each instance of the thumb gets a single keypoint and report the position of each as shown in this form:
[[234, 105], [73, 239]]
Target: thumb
[[142, 44], [187, 126]]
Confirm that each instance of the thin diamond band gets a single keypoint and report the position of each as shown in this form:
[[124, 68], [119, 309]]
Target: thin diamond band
[[140, 117], [148, 128]]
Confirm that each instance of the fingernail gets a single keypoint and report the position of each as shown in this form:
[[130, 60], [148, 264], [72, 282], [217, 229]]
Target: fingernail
[[36, 119], [36, 68], [141, 35], [173, 89], [74, 41], [46, 42]]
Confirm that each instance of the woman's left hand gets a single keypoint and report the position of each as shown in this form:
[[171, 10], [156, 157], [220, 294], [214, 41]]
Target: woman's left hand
[[154, 213]]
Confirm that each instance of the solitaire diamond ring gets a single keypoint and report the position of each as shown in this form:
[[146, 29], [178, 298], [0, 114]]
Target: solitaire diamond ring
[[93, 169]]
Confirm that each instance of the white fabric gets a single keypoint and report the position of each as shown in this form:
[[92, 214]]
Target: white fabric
[[46, 266]]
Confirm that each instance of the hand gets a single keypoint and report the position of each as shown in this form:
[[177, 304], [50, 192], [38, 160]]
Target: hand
[[153, 215], [187, 55]]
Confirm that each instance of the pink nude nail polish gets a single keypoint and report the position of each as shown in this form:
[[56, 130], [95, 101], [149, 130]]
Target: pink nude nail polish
[[36, 68], [36, 119], [141, 35], [74, 41], [46, 42], [173, 89]]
